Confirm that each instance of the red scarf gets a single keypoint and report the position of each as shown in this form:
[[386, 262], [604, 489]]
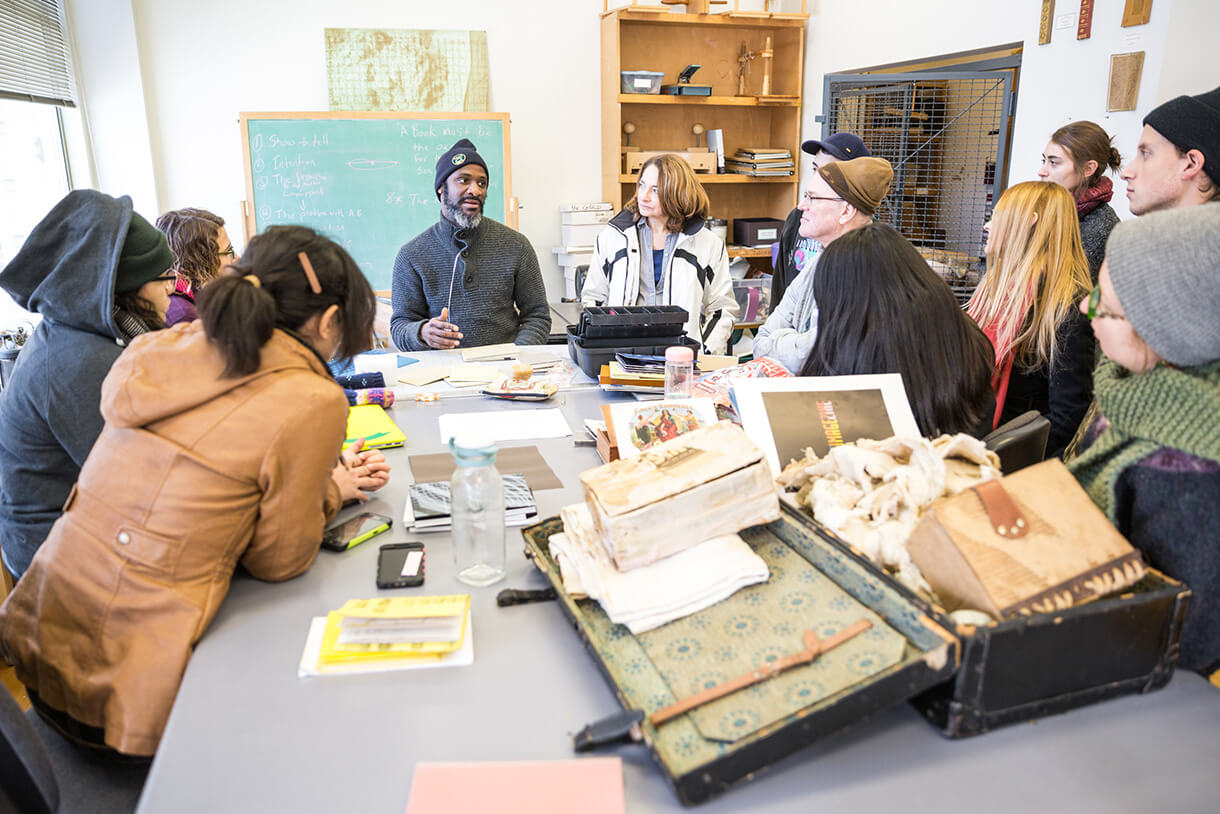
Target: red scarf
[[183, 286], [1000, 376], [1094, 197]]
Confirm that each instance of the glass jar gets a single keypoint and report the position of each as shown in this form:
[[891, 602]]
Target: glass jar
[[679, 372], [476, 494]]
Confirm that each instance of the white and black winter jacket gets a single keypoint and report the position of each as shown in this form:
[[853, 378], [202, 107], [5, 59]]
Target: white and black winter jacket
[[697, 277]]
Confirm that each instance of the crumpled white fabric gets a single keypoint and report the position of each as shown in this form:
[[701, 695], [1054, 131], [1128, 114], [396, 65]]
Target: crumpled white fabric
[[650, 596]]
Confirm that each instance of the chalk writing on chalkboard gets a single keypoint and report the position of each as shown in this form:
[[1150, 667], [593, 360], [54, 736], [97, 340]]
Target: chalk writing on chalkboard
[[363, 179]]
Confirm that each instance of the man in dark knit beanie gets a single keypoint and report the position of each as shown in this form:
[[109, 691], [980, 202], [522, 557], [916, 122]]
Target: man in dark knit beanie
[[1177, 162], [467, 280]]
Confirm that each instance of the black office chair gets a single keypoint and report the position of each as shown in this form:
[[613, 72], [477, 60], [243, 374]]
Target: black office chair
[[40, 771], [27, 780], [1020, 442]]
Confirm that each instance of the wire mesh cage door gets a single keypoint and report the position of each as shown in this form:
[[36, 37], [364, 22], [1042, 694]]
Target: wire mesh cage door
[[945, 133]]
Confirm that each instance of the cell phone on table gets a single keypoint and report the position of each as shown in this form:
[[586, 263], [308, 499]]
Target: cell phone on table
[[400, 565], [354, 530]]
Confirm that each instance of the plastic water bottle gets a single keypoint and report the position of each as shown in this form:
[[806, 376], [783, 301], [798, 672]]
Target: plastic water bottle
[[679, 372], [476, 494]]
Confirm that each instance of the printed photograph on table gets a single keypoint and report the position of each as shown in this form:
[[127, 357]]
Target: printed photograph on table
[[784, 416], [641, 425]]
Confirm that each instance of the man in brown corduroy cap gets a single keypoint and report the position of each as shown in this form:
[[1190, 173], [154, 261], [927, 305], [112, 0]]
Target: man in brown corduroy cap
[[841, 197]]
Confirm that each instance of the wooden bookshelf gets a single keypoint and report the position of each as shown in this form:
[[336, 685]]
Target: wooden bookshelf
[[642, 39]]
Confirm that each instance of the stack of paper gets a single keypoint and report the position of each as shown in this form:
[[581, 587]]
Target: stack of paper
[[421, 628], [539, 359], [614, 377], [668, 589], [761, 161], [429, 508]]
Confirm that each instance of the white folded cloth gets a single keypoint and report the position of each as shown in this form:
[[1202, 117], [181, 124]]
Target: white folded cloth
[[652, 595]]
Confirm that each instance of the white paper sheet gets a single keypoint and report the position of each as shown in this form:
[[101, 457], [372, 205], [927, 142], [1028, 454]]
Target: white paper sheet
[[313, 647], [507, 425]]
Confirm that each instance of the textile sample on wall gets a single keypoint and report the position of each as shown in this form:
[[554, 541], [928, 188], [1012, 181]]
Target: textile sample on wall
[[405, 69]]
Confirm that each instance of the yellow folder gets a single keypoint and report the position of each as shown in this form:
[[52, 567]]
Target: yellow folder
[[370, 422]]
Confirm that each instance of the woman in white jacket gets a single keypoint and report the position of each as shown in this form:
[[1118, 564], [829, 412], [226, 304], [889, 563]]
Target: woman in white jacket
[[659, 251]]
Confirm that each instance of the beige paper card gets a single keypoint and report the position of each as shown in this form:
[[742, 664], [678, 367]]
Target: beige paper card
[[420, 375], [1125, 73], [478, 374], [491, 353]]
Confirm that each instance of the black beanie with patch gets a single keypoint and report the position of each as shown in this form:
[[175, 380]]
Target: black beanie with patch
[[456, 157]]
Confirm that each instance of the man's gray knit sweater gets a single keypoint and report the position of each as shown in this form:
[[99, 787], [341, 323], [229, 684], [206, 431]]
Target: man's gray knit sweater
[[498, 294]]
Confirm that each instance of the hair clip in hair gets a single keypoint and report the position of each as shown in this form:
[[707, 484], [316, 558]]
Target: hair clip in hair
[[253, 280], [314, 285]]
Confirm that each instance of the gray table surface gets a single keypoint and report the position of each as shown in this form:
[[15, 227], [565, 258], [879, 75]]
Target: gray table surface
[[246, 734]]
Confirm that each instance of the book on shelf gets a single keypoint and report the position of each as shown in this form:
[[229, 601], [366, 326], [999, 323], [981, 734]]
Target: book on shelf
[[775, 163], [428, 504], [763, 153], [759, 172]]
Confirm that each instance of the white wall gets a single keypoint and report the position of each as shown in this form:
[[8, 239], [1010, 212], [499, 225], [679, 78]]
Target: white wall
[[110, 82], [1062, 81], [207, 62], [163, 109]]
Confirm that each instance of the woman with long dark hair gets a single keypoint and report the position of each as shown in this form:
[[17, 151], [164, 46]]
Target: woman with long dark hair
[[221, 446], [883, 310]]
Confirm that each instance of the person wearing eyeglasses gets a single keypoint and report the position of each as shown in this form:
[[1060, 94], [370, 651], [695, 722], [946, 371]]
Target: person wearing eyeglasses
[[659, 251], [842, 196], [797, 252], [1151, 458], [100, 275], [201, 248], [1026, 304]]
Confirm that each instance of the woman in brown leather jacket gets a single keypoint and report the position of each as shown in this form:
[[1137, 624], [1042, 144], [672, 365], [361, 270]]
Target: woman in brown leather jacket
[[221, 446]]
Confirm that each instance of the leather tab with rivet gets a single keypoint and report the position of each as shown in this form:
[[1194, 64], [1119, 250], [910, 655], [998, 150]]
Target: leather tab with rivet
[[1003, 512]]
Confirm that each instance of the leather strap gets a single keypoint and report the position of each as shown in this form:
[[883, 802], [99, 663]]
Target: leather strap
[[1002, 510], [813, 648]]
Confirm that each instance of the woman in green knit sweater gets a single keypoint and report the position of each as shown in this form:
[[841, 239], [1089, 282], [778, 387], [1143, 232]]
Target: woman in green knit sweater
[[1151, 459]]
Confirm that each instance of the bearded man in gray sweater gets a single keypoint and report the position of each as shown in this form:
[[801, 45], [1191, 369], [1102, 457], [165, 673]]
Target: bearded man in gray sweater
[[467, 280]]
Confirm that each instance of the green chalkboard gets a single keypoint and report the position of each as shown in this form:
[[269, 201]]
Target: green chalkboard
[[364, 179]]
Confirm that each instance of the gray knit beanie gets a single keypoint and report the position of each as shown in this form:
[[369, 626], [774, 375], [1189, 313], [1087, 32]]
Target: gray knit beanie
[[1165, 267]]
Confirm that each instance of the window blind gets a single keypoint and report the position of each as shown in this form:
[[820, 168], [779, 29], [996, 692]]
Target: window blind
[[35, 62]]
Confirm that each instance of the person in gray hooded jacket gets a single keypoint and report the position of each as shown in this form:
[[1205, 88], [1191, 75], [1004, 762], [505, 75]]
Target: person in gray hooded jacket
[[99, 275]]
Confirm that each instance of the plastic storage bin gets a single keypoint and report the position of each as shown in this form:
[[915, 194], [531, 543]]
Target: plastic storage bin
[[590, 358], [640, 81], [753, 298]]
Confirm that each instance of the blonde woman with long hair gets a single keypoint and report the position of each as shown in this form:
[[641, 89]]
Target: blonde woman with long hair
[[1026, 304], [659, 251]]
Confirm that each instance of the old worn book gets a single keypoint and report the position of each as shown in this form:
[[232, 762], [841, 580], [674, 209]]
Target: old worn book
[[703, 484], [1031, 542]]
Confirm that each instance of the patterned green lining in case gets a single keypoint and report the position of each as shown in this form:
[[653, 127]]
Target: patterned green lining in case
[[758, 625]]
